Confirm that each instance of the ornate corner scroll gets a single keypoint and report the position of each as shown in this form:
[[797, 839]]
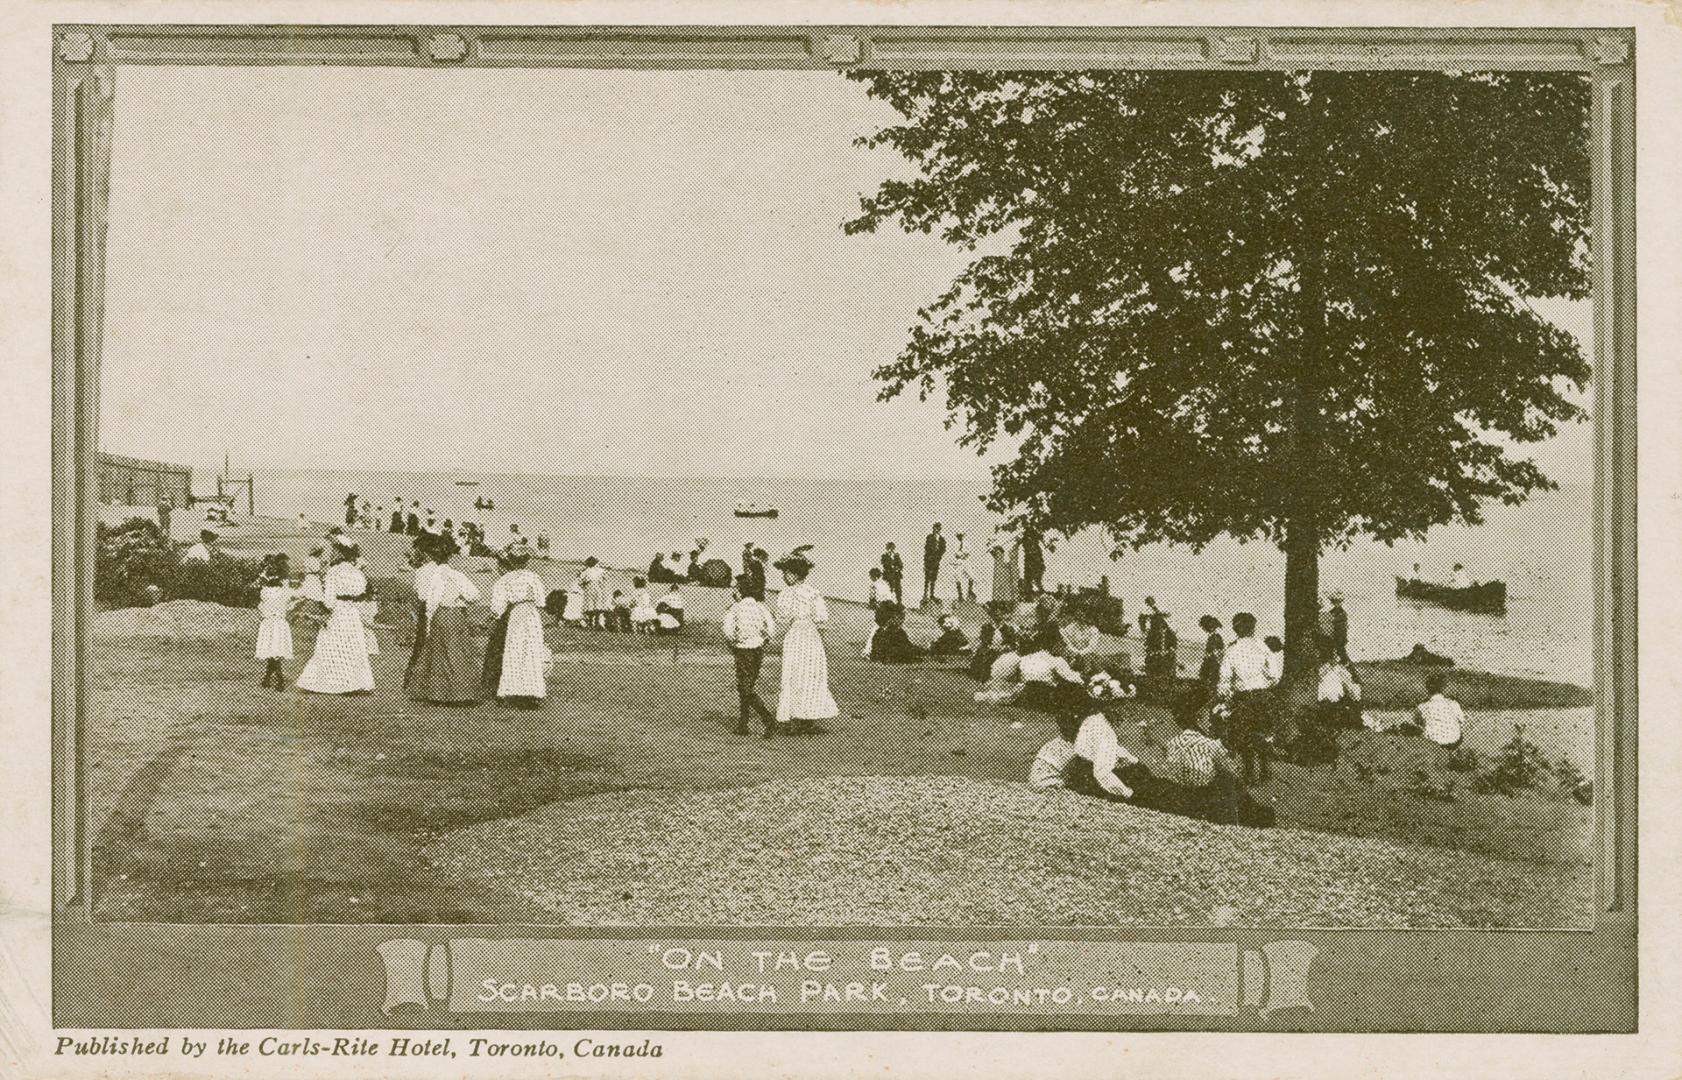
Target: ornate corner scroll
[[75, 47], [1608, 50]]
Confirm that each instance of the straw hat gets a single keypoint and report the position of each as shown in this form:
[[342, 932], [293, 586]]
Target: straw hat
[[796, 560]]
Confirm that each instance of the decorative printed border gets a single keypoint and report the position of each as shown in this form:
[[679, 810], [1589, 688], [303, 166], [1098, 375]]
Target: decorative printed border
[[1361, 980]]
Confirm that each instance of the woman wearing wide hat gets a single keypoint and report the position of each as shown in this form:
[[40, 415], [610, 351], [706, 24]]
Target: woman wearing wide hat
[[805, 698], [339, 664]]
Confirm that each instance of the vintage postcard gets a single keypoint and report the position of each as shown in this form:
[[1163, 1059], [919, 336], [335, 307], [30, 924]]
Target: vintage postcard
[[646, 541]]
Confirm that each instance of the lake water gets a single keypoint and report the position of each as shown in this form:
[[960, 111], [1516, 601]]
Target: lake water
[[1541, 549]]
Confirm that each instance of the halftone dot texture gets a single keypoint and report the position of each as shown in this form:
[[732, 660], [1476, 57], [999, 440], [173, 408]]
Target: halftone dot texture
[[629, 801]]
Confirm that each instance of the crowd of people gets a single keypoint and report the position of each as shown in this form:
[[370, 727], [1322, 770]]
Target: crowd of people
[[1227, 716]]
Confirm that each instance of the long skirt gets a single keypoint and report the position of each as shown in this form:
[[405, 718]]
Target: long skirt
[[340, 662], [446, 673], [523, 654], [420, 643], [490, 674], [805, 682], [274, 638]]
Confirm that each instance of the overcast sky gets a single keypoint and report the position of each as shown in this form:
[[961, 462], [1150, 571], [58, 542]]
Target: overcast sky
[[519, 271]]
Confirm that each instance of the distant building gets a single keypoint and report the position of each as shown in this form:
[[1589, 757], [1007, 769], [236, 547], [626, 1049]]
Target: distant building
[[126, 481]]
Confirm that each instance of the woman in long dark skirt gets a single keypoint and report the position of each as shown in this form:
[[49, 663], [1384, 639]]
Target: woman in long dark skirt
[[491, 674], [445, 673], [424, 557]]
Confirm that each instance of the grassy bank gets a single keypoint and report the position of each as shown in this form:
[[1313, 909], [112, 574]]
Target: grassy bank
[[217, 800]]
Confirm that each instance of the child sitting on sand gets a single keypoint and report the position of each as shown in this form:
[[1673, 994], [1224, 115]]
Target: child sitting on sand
[[669, 611]]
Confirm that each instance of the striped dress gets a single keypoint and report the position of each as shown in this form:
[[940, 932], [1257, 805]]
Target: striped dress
[[805, 680]]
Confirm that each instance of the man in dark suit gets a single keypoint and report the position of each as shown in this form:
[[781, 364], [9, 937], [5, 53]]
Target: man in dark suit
[[934, 550]]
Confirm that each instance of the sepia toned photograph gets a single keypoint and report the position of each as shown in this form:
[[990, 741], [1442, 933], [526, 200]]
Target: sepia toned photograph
[[564, 534], [824, 498]]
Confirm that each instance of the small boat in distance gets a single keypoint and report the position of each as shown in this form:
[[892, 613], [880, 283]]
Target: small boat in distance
[[1489, 597], [754, 510]]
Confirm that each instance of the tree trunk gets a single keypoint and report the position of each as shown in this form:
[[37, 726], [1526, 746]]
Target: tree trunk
[[1302, 597]]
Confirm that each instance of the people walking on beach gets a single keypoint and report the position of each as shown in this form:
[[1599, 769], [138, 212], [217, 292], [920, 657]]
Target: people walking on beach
[[445, 673], [1033, 563], [597, 602], [893, 569], [748, 627], [412, 522], [350, 510], [962, 578], [934, 551], [275, 600], [1246, 679], [396, 519], [339, 664], [516, 602], [804, 699], [424, 557]]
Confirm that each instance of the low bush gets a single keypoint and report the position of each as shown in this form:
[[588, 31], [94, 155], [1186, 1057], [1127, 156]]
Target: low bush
[[1517, 766], [136, 565]]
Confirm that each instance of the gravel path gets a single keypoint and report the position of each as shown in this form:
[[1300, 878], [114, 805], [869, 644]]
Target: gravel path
[[927, 851]]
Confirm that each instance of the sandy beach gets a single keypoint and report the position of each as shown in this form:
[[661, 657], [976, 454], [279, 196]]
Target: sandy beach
[[218, 800]]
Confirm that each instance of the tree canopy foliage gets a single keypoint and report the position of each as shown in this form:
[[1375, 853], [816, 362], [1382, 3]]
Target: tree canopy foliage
[[1288, 306]]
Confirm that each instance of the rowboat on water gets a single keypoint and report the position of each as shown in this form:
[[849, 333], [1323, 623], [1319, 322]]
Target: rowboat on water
[[754, 510], [1489, 597]]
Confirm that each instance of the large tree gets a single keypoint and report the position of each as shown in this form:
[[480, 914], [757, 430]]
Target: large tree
[[1279, 306]]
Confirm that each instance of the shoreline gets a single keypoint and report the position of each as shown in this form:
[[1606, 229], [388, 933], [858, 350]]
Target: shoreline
[[386, 556]]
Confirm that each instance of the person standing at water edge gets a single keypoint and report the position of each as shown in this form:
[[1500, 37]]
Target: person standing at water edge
[[961, 576], [805, 698], [517, 600], [1004, 577], [934, 550], [1033, 563], [748, 625], [446, 673], [340, 662], [350, 510], [893, 568]]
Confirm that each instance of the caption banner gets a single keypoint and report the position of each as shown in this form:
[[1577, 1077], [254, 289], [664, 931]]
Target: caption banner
[[1056, 978]]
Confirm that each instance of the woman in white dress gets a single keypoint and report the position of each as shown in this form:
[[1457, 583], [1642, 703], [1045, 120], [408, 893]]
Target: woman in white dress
[[340, 662], [805, 698], [519, 594]]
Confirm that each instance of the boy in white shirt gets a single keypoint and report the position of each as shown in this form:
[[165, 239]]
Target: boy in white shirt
[[749, 626]]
